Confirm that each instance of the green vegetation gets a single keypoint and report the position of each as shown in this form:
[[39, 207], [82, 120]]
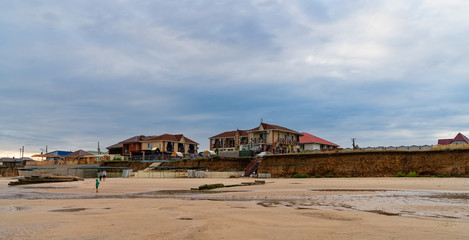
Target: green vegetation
[[211, 186], [412, 174], [298, 175], [329, 175], [399, 174]]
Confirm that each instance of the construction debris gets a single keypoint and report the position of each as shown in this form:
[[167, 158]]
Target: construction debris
[[210, 186], [44, 179], [256, 182]]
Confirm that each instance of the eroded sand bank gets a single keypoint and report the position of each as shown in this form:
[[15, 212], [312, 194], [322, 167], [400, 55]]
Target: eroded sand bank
[[348, 208]]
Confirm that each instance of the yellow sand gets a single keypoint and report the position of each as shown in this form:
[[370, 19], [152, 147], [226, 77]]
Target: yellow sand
[[183, 218]]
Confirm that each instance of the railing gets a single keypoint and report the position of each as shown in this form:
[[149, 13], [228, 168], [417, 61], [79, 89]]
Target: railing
[[288, 142], [258, 140], [251, 168], [228, 145]]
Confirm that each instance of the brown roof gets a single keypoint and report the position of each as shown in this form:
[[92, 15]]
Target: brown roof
[[274, 127], [170, 137], [164, 137], [190, 141], [117, 145], [78, 153], [140, 138], [231, 134]]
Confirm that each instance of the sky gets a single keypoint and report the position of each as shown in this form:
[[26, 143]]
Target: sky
[[387, 73]]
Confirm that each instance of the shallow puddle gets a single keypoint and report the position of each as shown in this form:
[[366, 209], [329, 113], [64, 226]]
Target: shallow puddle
[[45, 187], [16, 209], [348, 190]]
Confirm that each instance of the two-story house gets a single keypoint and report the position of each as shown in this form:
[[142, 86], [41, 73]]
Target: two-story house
[[156, 145], [265, 137], [229, 141]]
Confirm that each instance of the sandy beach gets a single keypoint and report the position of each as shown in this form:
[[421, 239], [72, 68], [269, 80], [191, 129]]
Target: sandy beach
[[325, 208]]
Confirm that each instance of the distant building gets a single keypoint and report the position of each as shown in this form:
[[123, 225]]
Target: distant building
[[309, 142], [58, 153], [265, 137], [459, 139], [11, 162], [115, 149]]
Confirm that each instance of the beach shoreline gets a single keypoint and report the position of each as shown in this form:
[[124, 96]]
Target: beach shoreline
[[313, 208]]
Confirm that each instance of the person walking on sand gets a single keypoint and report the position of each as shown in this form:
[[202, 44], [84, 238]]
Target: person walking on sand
[[97, 185], [100, 175], [104, 175]]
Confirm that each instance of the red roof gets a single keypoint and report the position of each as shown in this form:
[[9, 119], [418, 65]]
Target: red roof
[[308, 138], [459, 137]]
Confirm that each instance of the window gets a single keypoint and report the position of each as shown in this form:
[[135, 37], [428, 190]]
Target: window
[[150, 145]]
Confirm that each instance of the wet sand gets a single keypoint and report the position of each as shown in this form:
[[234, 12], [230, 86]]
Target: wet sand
[[336, 208]]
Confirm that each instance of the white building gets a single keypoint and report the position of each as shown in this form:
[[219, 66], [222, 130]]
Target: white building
[[310, 142]]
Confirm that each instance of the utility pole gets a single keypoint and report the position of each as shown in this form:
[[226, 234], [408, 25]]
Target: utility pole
[[353, 144], [99, 150]]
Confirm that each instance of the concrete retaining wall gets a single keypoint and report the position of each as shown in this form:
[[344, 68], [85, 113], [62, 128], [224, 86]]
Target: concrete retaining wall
[[173, 174], [61, 170], [229, 154]]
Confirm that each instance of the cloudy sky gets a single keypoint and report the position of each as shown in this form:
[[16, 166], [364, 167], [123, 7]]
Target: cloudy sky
[[74, 73]]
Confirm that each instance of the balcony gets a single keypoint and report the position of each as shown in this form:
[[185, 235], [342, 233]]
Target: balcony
[[258, 140], [288, 142]]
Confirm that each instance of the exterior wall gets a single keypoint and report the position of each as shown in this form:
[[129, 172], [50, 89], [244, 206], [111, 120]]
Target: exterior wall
[[158, 144], [63, 170], [311, 147], [131, 147], [230, 154]]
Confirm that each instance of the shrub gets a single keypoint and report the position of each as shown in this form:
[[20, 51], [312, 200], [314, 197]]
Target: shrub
[[399, 174], [298, 175], [412, 174]]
